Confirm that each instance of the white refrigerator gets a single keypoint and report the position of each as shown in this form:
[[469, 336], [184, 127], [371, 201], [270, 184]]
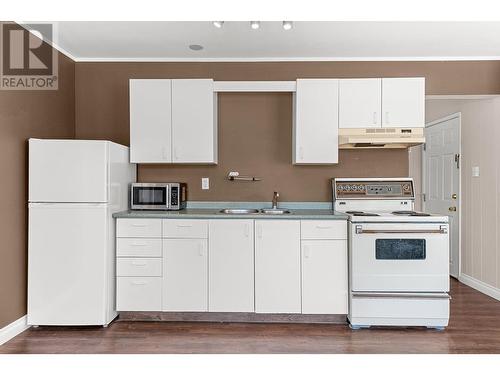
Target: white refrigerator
[[74, 188]]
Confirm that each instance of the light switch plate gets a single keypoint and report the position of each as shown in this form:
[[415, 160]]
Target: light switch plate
[[475, 171], [205, 183]]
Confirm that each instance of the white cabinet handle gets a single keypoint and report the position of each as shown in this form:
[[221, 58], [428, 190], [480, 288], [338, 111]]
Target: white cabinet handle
[[136, 244], [139, 282], [164, 152], [259, 230], [323, 227], [301, 153], [139, 264], [176, 155], [200, 250], [184, 225], [375, 118], [306, 251], [139, 225], [247, 230], [387, 117]]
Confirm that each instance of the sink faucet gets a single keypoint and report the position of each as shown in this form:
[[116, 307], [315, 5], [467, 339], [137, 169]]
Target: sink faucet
[[275, 199]]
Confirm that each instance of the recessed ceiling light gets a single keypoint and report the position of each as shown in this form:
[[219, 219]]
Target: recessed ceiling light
[[287, 25], [218, 24], [255, 24], [195, 47]]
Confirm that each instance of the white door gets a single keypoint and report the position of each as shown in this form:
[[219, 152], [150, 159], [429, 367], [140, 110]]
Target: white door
[[441, 180], [67, 264], [277, 266], [316, 121], [194, 135], [185, 275], [324, 277], [403, 102], [68, 171], [231, 266], [360, 103], [150, 120]]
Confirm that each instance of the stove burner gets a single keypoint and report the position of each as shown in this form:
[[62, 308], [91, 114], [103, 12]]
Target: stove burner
[[361, 213], [410, 213]]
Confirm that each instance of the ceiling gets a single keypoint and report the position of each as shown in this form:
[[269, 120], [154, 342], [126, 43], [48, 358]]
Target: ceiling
[[169, 41]]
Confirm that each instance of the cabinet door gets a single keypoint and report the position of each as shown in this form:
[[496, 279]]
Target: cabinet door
[[360, 103], [193, 125], [231, 266], [324, 277], [403, 102], [185, 276], [277, 266], [316, 121], [150, 120]]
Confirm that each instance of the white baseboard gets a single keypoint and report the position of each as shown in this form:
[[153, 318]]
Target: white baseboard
[[480, 285], [13, 329]]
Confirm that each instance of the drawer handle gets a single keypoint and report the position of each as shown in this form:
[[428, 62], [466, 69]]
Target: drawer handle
[[138, 264], [139, 282], [184, 225], [139, 244], [323, 227], [139, 225]]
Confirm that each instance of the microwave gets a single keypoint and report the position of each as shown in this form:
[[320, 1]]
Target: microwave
[[158, 196]]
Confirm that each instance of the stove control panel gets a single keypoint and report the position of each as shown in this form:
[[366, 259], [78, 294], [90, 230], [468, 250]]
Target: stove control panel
[[370, 189]]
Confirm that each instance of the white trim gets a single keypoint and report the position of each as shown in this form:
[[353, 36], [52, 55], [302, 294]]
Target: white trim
[[480, 286], [13, 329], [283, 59], [255, 86], [460, 97], [457, 115]]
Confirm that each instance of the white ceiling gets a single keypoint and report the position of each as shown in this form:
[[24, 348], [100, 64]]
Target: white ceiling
[[169, 41]]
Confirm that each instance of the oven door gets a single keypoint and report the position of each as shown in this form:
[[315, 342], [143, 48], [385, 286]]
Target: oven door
[[150, 197], [399, 257]]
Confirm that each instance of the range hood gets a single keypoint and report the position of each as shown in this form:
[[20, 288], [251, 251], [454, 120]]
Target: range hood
[[356, 138]]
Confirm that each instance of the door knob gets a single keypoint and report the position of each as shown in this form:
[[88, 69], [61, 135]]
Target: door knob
[[453, 196], [452, 208]]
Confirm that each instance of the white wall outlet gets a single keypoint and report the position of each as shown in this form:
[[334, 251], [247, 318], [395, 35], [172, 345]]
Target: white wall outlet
[[475, 171], [205, 183]]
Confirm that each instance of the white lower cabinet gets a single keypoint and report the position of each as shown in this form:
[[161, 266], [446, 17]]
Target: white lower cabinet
[[324, 277], [231, 265], [277, 266], [185, 274], [138, 293]]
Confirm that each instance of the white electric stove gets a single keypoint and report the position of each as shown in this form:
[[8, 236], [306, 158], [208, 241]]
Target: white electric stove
[[398, 258]]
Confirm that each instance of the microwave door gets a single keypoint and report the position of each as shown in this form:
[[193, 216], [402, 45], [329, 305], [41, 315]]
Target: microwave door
[[150, 197]]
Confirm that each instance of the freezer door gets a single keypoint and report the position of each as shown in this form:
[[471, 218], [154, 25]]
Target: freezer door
[[67, 171], [67, 248]]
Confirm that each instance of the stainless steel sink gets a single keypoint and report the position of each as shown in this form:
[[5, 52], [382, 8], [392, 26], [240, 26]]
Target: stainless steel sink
[[239, 211], [274, 211]]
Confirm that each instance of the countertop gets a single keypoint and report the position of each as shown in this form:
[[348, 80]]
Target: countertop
[[211, 210]]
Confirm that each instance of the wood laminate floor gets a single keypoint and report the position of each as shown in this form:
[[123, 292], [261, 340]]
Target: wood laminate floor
[[474, 328]]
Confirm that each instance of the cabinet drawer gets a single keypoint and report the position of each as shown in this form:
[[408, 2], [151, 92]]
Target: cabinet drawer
[[185, 228], [323, 229], [138, 228], [138, 247], [138, 267], [138, 293]]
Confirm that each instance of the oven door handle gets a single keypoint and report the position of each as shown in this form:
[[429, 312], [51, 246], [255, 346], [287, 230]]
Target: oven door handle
[[442, 230], [401, 295]]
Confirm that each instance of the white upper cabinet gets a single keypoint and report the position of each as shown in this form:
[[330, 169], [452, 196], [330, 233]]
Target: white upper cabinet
[[360, 103], [403, 102], [316, 120], [173, 121], [150, 120], [193, 121]]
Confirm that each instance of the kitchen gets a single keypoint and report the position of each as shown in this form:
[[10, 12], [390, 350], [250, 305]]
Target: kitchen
[[238, 142]]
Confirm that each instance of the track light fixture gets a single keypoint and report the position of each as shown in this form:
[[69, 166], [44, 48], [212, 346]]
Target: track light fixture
[[255, 24], [287, 25], [218, 24]]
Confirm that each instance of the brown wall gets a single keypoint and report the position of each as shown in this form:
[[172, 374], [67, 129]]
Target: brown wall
[[255, 129], [25, 114]]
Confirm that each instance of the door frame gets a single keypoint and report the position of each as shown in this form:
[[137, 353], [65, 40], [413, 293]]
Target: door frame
[[424, 181]]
